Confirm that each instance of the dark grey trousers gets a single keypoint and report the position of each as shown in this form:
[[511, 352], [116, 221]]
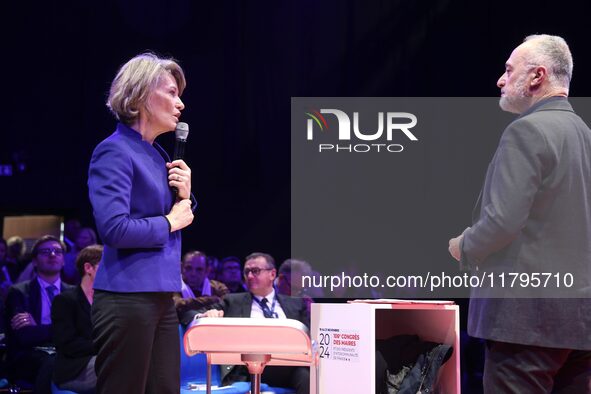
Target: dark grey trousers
[[514, 368]]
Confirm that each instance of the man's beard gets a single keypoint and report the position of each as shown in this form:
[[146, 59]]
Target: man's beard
[[519, 101]]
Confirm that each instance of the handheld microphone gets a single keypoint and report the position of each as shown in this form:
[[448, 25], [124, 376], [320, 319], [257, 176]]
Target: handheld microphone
[[181, 133]]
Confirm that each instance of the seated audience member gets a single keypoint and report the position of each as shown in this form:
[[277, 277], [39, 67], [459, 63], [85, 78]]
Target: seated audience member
[[289, 277], [30, 351], [18, 250], [9, 265], [6, 277], [318, 291], [17, 255], [3, 250], [214, 264], [5, 283], [85, 237], [199, 293], [231, 274], [262, 301], [71, 228], [72, 328]]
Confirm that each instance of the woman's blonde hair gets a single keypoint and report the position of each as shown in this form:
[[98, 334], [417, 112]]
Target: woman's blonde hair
[[135, 80]]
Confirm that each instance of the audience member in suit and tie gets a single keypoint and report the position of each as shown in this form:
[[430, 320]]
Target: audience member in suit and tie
[[72, 328], [198, 292], [262, 301], [28, 313], [231, 274]]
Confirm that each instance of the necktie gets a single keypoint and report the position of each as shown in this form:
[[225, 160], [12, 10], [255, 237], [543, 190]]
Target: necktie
[[265, 307], [51, 290]]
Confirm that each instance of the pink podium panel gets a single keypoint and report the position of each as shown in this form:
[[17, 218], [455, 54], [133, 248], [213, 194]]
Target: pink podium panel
[[346, 335]]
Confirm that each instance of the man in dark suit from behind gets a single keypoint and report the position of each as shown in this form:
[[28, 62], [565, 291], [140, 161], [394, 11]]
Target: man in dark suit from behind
[[72, 328], [262, 301], [28, 313]]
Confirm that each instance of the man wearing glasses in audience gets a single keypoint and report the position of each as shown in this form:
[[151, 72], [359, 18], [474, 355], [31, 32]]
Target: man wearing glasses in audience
[[28, 312], [262, 301]]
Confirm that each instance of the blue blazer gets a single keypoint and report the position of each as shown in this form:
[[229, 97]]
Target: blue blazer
[[129, 193]]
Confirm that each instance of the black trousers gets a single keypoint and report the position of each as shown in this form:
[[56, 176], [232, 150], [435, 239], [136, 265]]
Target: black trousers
[[297, 378], [514, 368], [136, 336]]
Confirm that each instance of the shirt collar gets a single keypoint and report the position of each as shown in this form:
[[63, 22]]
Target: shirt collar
[[269, 296], [125, 129], [44, 284]]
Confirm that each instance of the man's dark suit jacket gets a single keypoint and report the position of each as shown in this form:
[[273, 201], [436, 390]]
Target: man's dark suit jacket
[[26, 297], [72, 334], [535, 217], [240, 305]]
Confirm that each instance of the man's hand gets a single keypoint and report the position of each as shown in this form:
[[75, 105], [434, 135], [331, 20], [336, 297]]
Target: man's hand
[[179, 176], [212, 313], [21, 320], [454, 245]]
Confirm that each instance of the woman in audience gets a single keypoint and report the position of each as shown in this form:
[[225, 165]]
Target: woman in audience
[[18, 258], [5, 276], [72, 328]]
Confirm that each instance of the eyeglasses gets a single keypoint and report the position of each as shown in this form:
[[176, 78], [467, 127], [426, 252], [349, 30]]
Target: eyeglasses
[[255, 271], [49, 251]]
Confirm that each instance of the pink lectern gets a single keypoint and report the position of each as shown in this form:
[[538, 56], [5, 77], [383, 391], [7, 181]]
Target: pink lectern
[[255, 342]]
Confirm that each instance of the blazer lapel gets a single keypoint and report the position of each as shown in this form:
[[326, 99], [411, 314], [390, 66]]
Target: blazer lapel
[[82, 300], [35, 299], [247, 305]]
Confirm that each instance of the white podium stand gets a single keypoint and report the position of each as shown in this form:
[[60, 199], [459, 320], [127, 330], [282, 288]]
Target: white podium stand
[[253, 342], [347, 333]]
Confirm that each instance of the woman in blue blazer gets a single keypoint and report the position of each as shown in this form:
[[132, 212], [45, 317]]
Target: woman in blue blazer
[[138, 217]]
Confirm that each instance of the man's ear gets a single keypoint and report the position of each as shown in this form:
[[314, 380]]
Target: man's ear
[[540, 74]]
